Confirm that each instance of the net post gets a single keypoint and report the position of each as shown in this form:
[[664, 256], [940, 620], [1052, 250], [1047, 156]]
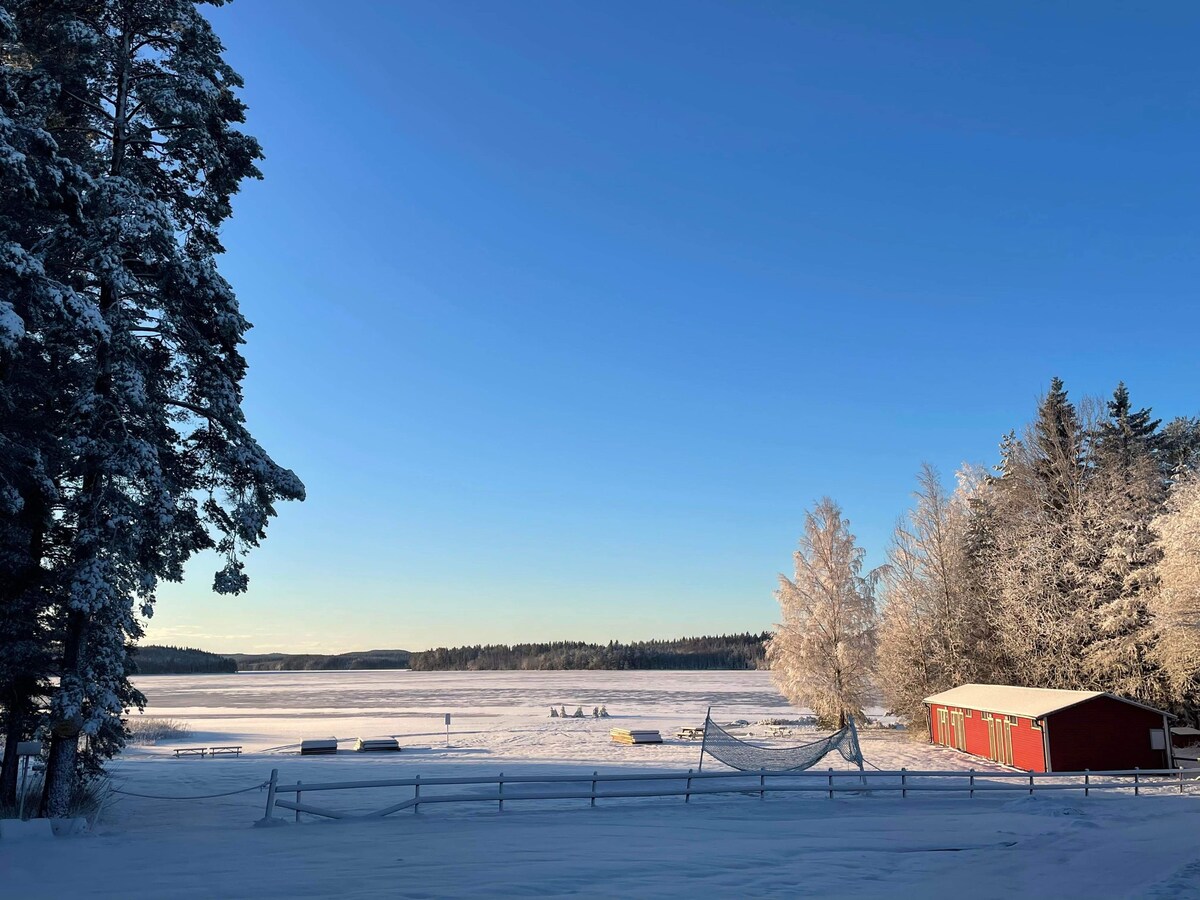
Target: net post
[[858, 756], [762, 780], [704, 739]]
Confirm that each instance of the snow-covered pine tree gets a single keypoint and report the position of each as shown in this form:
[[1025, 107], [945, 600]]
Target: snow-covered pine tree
[[40, 319], [1039, 609], [1070, 562], [160, 462], [1125, 491], [1178, 447], [822, 653]]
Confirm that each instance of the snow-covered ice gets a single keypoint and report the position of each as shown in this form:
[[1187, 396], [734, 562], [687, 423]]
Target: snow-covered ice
[[732, 845]]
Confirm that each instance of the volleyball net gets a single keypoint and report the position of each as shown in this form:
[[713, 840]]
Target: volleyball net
[[748, 757]]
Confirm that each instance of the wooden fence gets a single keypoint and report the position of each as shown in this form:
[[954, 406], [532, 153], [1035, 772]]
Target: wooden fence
[[690, 784]]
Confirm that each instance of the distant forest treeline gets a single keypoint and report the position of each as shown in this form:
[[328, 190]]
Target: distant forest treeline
[[156, 660], [734, 651], [362, 659]]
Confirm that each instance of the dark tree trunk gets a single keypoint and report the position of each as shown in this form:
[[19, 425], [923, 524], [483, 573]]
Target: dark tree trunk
[[62, 766]]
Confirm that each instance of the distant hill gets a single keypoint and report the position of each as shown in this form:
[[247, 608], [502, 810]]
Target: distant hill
[[157, 660], [726, 651], [362, 659]]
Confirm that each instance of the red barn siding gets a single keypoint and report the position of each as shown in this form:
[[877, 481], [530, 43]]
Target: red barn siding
[[1029, 751], [1104, 733], [1027, 748]]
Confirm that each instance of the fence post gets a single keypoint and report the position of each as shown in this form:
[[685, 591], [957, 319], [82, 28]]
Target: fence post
[[1181, 779], [1087, 780], [417, 794], [299, 798], [500, 782], [1136, 788], [831, 784], [594, 774], [903, 782], [687, 793], [762, 780], [269, 814], [972, 782]]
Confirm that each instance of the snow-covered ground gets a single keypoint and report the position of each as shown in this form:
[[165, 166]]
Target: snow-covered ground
[[731, 845]]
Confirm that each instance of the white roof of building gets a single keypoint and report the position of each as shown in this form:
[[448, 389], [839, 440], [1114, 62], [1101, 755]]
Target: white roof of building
[[1032, 703]]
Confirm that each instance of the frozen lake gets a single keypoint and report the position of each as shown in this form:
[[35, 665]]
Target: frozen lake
[[497, 713], [403, 693], [495, 716]]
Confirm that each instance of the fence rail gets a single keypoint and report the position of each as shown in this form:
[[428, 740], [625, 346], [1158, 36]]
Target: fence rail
[[689, 784]]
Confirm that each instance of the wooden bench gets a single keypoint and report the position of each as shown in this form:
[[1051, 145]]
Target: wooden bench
[[190, 751], [235, 750], [319, 747], [377, 745], [631, 736]]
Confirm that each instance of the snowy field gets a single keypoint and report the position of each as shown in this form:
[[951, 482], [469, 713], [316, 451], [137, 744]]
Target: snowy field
[[733, 845]]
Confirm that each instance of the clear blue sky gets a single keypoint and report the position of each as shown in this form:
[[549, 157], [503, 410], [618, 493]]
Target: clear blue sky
[[567, 310]]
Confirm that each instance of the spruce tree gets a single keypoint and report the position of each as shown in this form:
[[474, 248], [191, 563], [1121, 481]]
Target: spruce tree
[[158, 462], [1059, 442], [1126, 433], [1125, 491], [1178, 447]]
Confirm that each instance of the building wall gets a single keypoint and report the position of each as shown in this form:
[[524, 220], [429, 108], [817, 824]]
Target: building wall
[[1027, 747], [1104, 734]]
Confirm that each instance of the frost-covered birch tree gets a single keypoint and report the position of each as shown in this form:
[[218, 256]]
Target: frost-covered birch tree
[[158, 462], [1177, 603], [933, 631], [822, 652]]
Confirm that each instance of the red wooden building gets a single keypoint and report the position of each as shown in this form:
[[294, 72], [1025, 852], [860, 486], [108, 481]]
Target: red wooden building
[[1043, 730]]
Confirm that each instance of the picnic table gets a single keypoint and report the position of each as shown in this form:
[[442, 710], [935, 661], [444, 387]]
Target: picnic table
[[688, 733], [229, 750], [778, 730]]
